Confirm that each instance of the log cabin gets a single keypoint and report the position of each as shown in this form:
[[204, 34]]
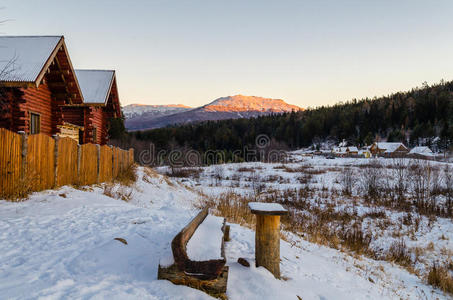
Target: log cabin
[[36, 81], [101, 104], [389, 149], [40, 92]]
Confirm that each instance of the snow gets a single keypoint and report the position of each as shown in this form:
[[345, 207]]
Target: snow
[[95, 84], [60, 244], [206, 242], [267, 207], [23, 57]]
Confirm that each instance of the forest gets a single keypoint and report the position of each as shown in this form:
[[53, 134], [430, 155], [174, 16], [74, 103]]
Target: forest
[[415, 117]]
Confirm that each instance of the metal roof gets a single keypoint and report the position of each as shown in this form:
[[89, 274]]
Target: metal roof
[[95, 85], [23, 57]]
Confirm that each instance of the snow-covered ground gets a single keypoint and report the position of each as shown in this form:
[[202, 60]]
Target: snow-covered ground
[[61, 244]]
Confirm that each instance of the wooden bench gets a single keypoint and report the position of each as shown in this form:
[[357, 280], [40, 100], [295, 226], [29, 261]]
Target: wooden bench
[[210, 275]]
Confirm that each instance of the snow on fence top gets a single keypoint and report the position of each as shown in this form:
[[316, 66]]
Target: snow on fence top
[[261, 208], [205, 244]]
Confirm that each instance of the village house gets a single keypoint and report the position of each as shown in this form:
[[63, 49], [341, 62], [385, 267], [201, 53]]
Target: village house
[[421, 152], [36, 79], [345, 151], [388, 149], [101, 104], [40, 92]]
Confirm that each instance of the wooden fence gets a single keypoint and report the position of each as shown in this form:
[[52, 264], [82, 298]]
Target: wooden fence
[[38, 162]]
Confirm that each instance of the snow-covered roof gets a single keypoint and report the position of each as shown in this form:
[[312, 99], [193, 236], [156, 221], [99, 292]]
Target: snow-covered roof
[[22, 58], [389, 147], [95, 84], [423, 150], [340, 149], [345, 149]]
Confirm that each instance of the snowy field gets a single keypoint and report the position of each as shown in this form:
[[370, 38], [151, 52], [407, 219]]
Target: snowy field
[[414, 236], [60, 244]]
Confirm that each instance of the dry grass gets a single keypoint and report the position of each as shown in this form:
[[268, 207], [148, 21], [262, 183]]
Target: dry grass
[[23, 188], [231, 206], [118, 191], [441, 277], [246, 169], [185, 172], [399, 253], [128, 176]]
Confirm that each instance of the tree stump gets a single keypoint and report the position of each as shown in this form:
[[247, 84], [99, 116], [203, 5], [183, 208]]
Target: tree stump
[[267, 236]]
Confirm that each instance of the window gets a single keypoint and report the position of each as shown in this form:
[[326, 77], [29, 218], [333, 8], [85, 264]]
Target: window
[[35, 123], [95, 136]]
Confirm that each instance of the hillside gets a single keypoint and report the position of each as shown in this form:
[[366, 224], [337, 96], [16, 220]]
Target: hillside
[[414, 117], [61, 243], [231, 107]]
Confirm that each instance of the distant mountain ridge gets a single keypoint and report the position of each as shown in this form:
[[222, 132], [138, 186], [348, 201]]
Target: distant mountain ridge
[[231, 107], [133, 110]]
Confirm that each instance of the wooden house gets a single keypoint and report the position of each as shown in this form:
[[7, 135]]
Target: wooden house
[[101, 104], [389, 149], [421, 152], [343, 151], [36, 81], [40, 92]]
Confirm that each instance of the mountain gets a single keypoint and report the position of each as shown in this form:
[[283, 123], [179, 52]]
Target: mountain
[[231, 107], [136, 114], [420, 116]]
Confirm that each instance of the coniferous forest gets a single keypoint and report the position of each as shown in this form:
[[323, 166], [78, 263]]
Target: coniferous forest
[[413, 117]]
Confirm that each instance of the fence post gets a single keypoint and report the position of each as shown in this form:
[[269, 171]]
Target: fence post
[[113, 162], [56, 138], [98, 150], [79, 158], [23, 167], [131, 156]]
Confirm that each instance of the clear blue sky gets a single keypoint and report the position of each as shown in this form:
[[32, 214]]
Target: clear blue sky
[[308, 53]]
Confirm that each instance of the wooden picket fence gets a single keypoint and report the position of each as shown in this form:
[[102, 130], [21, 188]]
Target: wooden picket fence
[[38, 162]]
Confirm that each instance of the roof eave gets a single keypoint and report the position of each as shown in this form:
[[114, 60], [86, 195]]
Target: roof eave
[[41, 74]]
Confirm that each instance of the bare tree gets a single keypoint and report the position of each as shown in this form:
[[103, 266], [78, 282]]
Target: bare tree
[[257, 184], [371, 180], [218, 174], [347, 180], [401, 177]]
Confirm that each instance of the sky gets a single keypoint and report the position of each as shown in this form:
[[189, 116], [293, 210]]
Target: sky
[[309, 53]]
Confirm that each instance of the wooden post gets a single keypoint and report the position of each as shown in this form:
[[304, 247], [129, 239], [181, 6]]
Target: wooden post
[[23, 167], [57, 144], [267, 236], [79, 161], [98, 153]]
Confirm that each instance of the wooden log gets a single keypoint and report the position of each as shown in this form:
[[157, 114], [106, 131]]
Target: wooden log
[[209, 276], [215, 287], [226, 233], [267, 243], [209, 269]]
